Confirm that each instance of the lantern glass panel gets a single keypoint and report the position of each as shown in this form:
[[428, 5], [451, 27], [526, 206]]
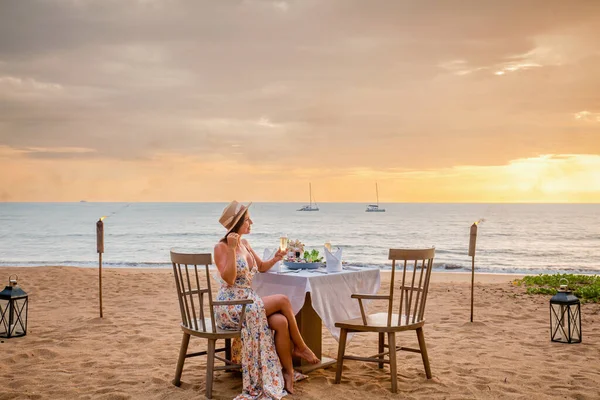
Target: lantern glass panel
[[3, 318], [565, 323], [558, 322], [13, 317], [575, 323]]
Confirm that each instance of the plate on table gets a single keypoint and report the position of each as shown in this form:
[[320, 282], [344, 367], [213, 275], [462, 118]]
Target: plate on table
[[303, 265]]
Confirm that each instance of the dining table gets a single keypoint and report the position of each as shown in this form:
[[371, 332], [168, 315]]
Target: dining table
[[319, 297]]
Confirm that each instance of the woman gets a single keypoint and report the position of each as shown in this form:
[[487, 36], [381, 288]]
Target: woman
[[237, 263]]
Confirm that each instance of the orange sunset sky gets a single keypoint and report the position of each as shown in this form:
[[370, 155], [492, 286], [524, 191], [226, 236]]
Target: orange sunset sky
[[166, 100]]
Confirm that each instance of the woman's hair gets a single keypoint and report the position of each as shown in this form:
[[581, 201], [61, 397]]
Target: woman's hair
[[237, 226]]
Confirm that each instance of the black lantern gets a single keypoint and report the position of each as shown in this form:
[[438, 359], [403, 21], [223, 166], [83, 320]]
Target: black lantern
[[565, 316], [13, 310]]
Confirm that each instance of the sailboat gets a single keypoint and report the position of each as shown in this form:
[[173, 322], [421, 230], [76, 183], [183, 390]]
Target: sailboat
[[375, 207], [310, 206]]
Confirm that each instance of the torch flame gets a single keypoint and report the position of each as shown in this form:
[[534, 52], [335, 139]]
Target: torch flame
[[479, 221], [102, 219]]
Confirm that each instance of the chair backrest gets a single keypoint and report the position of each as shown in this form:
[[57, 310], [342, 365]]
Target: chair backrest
[[187, 269], [414, 271]]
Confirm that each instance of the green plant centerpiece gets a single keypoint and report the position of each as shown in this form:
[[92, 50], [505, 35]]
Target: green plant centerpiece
[[312, 256], [297, 253]]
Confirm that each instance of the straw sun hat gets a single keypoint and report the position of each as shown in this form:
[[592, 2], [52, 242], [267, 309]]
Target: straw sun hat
[[232, 214]]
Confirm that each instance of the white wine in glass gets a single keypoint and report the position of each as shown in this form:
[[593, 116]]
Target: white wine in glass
[[283, 243]]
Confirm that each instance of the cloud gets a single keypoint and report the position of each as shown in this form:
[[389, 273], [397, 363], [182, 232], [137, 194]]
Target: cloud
[[58, 152], [27, 83], [390, 84], [252, 129], [587, 116], [19, 88]]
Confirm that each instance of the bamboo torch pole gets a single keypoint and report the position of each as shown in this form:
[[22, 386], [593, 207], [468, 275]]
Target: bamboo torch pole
[[100, 249], [472, 243]]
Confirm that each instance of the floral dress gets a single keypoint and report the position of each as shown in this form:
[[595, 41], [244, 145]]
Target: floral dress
[[261, 369]]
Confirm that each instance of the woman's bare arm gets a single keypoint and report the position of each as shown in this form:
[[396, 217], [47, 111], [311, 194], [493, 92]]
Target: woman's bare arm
[[225, 258]]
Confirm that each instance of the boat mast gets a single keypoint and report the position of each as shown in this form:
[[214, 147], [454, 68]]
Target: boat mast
[[377, 193], [309, 195]]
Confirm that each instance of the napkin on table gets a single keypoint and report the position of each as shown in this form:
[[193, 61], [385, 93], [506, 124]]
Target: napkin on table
[[267, 255], [333, 260]]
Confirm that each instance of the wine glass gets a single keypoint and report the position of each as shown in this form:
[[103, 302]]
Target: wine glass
[[283, 242]]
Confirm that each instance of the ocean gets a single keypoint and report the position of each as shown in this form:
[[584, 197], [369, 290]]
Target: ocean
[[514, 238]]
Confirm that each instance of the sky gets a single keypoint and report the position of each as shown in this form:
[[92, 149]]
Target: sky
[[172, 100]]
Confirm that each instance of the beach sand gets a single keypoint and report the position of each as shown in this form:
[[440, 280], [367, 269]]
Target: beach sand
[[131, 353]]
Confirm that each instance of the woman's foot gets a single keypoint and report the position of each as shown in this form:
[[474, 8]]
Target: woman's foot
[[288, 378], [306, 354]]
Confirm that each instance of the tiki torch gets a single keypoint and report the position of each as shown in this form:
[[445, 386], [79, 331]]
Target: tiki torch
[[472, 243], [100, 249]]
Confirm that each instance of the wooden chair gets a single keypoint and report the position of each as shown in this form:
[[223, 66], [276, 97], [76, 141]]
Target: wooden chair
[[194, 322], [412, 290]]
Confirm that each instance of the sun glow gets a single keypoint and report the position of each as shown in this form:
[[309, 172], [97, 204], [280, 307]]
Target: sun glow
[[547, 178], [551, 178]]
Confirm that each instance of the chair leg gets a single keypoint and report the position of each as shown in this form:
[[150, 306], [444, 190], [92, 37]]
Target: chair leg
[[381, 347], [228, 349], [228, 352], [182, 353], [341, 351], [210, 367], [393, 370], [423, 347]]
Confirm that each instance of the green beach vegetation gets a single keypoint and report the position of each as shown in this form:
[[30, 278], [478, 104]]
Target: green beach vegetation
[[585, 287]]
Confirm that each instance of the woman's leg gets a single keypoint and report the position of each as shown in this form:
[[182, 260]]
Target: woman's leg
[[278, 322], [281, 304]]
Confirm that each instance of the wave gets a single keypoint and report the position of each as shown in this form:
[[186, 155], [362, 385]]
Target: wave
[[113, 264], [438, 267]]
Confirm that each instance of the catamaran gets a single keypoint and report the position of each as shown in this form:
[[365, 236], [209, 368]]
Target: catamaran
[[310, 206], [375, 207]]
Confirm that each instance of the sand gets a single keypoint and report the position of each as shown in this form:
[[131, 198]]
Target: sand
[[70, 353]]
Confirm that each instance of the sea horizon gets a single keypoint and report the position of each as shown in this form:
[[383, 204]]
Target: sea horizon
[[513, 238]]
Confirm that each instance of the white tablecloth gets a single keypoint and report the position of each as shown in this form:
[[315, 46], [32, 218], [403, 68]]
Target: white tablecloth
[[330, 293]]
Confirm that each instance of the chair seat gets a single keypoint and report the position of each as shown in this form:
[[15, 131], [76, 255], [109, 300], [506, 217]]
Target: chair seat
[[218, 334], [378, 323]]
